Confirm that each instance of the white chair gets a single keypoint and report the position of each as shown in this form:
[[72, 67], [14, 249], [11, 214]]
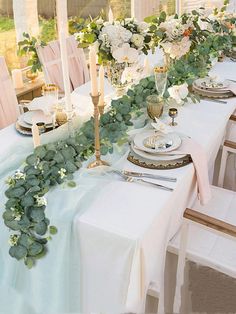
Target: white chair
[[229, 147], [9, 110], [50, 58], [207, 237]]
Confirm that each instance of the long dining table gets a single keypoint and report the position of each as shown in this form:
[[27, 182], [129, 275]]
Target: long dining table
[[113, 234]]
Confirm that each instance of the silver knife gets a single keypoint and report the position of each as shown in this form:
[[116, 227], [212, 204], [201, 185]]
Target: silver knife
[[148, 175], [131, 179], [159, 186], [215, 100]]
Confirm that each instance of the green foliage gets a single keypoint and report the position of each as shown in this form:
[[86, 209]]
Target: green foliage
[[28, 47], [48, 31], [6, 24]]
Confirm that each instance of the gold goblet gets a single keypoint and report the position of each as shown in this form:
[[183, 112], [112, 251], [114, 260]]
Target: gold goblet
[[155, 106], [173, 113], [31, 75]]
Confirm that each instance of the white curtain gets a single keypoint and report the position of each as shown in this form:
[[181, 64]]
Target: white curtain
[[25, 17]]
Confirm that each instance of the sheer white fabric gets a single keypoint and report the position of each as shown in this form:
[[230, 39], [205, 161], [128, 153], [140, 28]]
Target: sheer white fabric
[[9, 110]]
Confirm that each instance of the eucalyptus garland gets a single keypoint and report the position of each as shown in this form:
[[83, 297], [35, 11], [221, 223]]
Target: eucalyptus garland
[[55, 163]]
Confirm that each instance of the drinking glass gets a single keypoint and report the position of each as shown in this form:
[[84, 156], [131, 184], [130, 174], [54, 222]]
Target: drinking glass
[[160, 73]]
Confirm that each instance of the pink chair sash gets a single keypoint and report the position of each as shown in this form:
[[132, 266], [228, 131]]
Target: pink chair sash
[[51, 60], [9, 110]]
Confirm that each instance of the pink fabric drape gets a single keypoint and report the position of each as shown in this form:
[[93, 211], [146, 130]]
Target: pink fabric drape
[[9, 110], [51, 59]]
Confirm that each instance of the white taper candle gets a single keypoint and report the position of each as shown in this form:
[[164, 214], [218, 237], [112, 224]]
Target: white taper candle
[[93, 71], [101, 85]]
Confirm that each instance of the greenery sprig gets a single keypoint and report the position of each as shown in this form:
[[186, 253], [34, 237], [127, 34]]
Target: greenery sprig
[[55, 163]]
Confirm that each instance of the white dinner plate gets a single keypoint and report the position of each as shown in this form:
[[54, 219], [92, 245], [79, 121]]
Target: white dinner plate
[[211, 91], [37, 116], [140, 138], [25, 125], [207, 83], [154, 157]]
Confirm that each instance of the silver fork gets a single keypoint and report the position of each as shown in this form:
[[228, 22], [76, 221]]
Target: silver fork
[[130, 179]]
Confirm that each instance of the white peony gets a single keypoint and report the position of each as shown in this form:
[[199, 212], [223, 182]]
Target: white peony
[[116, 35], [137, 40], [178, 92], [125, 54], [177, 49]]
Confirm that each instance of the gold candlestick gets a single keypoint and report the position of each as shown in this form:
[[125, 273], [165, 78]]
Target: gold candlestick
[[101, 108], [98, 162]]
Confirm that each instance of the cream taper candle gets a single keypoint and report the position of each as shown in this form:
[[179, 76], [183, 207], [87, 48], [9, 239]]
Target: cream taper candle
[[101, 85], [36, 136], [146, 67], [93, 71], [110, 16], [17, 78]]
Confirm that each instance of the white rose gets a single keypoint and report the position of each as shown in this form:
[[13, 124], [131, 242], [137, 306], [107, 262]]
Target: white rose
[[137, 40], [142, 27]]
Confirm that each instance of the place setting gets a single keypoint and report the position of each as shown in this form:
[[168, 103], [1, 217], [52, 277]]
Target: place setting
[[214, 89]]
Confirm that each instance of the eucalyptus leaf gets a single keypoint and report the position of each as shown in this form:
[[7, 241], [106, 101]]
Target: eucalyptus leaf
[[31, 159], [41, 228], [29, 262], [53, 230], [18, 252], [35, 249], [37, 215]]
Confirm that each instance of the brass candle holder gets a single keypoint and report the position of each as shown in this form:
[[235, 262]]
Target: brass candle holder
[[98, 162], [101, 108]]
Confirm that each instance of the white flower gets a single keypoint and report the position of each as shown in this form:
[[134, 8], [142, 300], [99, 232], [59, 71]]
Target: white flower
[[17, 217], [115, 34], [10, 181], [19, 175], [137, 40], [13, 239], [129, 74], [99, 21], [40, 200], [178, 92], [125, 54], [177, 49], [161, 127], [142, 27], [62, 173]]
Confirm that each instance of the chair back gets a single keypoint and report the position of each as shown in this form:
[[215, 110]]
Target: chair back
[[50, 57], [9, 110]]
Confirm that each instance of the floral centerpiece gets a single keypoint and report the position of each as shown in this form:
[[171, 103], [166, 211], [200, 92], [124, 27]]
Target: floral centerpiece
[[119, 45]]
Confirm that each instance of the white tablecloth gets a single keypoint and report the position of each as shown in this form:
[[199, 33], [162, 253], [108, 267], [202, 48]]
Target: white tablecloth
[[124, 233], [125, 227]]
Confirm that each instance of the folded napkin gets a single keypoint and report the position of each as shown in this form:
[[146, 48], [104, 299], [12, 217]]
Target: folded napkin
[[189, 146], [44, 103], [232, 88], [160, 126]]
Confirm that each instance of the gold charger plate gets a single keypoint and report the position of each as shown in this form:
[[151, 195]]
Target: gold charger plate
[[159, 164]]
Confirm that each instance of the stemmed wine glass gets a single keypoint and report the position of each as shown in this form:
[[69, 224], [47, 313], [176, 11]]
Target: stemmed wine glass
[[160, 73]]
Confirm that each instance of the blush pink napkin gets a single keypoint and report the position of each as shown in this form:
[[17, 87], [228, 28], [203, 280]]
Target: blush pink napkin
[[189, 146]]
